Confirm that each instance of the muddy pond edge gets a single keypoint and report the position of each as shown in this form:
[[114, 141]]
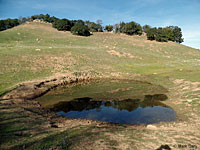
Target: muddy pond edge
[[29, 91]]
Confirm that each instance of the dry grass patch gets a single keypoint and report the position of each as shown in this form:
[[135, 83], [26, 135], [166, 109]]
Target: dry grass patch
[[121, 54]]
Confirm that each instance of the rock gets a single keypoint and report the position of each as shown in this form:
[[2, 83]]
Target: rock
[[164, 147], [151, 127]]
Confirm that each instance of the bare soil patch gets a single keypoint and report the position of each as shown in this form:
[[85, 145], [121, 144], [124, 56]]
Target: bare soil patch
[[123, 54]]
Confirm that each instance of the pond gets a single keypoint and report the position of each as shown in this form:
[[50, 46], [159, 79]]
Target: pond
[[117, 101]]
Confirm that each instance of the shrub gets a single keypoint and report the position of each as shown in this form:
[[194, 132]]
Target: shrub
[[93, 27], [109, 28], [151, 34], [2, 25], [80, 29], [122, 27], [146, 28], [161, 35], [171, 33], [62, 25], [177, 34], [8, 23], [132, 28]]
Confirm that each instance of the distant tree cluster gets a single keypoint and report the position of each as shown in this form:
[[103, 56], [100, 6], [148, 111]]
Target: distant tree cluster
[[109, 28], [77, 27], [22, 20], [171, 33], [130, 28], [94, 27], [85, 28], [62, 24], [43, 17], [8, 23], [80, 28]]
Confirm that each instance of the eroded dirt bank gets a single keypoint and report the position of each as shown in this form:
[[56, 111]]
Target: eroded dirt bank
[[27, 125], [34, 89]]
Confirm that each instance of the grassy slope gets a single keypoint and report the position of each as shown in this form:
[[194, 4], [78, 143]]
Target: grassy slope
[[34, 51]]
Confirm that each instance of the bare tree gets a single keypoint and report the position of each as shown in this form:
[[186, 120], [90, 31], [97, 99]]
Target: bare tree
[[117, 28], [99, 24]]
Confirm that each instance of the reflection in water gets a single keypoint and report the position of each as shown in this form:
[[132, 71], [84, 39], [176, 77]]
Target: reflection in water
[[159, 97], [132, 111]]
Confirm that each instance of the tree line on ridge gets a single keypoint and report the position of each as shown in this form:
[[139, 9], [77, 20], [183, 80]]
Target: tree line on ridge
[[85, 28]]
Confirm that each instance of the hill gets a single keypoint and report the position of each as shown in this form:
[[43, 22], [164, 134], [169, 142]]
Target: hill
[[37, 52]]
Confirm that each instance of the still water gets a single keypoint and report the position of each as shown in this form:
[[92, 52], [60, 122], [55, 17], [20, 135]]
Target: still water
[[125, 111], [114, 101]]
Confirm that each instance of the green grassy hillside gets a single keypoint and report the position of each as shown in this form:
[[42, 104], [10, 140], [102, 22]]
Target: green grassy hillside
[[36, 50]]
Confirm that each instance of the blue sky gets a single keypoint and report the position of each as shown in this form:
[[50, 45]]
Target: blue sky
[[183, 13]]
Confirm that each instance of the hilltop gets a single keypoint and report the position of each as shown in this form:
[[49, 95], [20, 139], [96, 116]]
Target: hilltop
[[35, 52]]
